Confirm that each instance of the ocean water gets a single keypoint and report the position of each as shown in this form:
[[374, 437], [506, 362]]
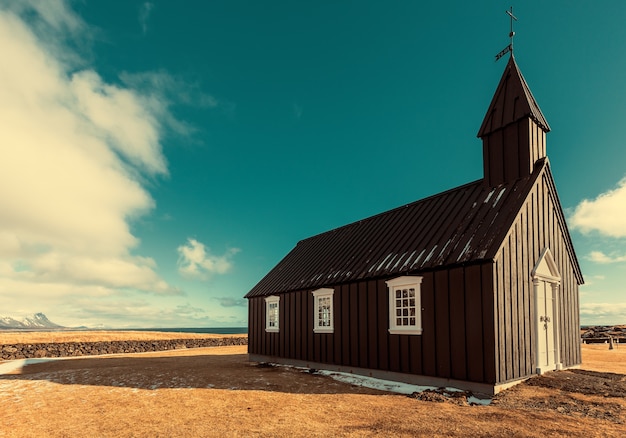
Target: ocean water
[[212, 330]]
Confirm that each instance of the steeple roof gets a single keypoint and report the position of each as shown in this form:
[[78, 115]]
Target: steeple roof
[[511, 102]]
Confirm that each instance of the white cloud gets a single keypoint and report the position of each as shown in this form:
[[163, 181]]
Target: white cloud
[[53, 23], [122, 118], [52, 13], [232, 302], [591, 279], [600, 257], [602, 313], [605, 214], [196, 261], [75, 151], [157, 90], [144, 15], [162, 85], [144, 313]]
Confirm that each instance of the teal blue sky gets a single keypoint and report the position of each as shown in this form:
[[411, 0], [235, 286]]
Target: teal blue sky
[[160, 157]]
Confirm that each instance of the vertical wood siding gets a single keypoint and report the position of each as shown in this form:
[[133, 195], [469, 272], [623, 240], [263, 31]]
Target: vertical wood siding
[[512, 152], [538, 226], [457, 319]]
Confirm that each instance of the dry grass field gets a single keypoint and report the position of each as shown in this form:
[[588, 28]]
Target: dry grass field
[[216, 392]]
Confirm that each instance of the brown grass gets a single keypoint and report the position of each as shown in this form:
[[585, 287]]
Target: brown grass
[[216, 392], [597, 357]]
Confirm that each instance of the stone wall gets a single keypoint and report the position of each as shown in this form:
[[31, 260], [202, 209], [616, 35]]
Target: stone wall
[[65, 349], [603, 333]]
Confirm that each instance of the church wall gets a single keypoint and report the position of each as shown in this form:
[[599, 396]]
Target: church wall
[[457, 319], [537, 226]]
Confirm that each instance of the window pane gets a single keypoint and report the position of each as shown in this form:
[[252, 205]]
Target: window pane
[[406, 305], [323, 315]]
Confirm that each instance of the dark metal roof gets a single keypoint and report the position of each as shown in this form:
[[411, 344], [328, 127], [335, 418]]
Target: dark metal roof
[[511, 102], [462, 225]]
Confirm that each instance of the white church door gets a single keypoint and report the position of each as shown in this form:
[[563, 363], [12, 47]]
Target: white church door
[[546, 281], [546, 352]]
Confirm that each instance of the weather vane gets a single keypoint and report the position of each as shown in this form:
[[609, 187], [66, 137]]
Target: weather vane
[[508, 48]]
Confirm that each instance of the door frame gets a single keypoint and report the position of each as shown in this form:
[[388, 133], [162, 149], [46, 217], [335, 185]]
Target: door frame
[[546, 271]]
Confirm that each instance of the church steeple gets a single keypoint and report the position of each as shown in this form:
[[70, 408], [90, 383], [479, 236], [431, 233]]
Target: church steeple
[[513, 131]]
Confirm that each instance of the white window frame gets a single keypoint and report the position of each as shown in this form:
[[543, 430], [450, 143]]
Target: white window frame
[[318, 295], [398, 284], [269, 305]]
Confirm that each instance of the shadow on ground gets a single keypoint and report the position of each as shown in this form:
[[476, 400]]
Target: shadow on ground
[[232, 372]]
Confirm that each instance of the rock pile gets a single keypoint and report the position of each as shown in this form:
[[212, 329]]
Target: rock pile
[[595, 334], [65, 349]]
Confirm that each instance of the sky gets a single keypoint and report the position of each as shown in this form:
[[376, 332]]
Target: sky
[[158, 158]]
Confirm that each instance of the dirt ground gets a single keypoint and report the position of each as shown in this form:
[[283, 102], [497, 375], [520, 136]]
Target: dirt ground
[[217, 392]]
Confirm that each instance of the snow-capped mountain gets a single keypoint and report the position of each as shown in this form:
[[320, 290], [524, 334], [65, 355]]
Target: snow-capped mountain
[[35, 321]]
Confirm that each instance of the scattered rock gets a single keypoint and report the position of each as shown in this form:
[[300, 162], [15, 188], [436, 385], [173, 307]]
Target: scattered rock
[[583, 382], [601, 333], [580, 393], [64, 349], [442, 395]]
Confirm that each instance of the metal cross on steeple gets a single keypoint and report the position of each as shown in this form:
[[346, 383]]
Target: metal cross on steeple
[[508, 48]]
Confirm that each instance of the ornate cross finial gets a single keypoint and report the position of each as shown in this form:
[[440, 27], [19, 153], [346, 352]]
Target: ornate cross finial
[[508, 48], [513, 18]]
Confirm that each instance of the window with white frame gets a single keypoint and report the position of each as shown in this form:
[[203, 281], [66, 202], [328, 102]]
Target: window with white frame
[[405, 308], [272, 313], [323, 320]]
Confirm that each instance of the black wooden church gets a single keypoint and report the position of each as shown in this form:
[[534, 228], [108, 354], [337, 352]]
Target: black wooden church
[[475, 287]]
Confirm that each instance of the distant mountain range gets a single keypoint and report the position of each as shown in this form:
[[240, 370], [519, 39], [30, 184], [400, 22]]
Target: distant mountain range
[[35, 321]]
